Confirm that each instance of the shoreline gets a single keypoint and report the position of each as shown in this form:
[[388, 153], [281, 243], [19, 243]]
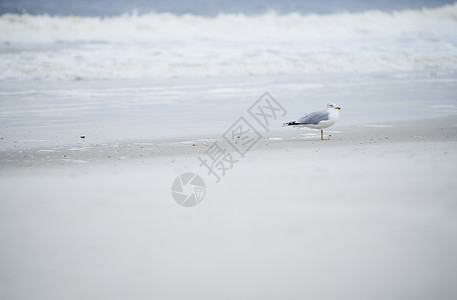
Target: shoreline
[[411, 131], [54, 114]]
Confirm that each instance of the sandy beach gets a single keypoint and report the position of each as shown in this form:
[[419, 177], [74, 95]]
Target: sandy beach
[[371, 213]]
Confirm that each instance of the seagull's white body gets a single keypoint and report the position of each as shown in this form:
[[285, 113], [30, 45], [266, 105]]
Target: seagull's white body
[[318, 119], [333, 115]]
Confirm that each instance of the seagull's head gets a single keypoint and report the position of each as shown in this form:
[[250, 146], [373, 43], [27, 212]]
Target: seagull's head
[[332, 105]]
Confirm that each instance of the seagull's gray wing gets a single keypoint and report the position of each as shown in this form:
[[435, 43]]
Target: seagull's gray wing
[[314, 117]]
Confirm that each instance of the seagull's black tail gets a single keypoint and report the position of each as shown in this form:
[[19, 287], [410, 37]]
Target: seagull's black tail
[[289, 124]]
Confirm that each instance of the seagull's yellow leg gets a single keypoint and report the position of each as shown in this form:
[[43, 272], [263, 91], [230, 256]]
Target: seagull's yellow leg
[[322, 135]]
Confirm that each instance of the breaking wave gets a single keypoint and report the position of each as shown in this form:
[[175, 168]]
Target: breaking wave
[[165, 27], [164, 44]]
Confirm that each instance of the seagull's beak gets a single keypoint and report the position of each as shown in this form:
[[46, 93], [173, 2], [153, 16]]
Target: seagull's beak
[[338, 107]]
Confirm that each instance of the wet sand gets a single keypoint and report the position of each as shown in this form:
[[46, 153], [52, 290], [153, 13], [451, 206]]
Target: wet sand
[[439, 130]]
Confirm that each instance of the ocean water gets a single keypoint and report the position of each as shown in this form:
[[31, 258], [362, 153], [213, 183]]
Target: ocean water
[[103, 8], [122, 70]]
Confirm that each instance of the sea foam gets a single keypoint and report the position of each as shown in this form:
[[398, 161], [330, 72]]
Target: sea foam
[[166, 27], [168, 45]]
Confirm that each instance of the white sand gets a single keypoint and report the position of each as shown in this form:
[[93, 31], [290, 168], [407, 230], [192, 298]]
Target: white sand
[[370, 214]]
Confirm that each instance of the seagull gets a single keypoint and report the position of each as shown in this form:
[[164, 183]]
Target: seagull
[[318, 119]]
